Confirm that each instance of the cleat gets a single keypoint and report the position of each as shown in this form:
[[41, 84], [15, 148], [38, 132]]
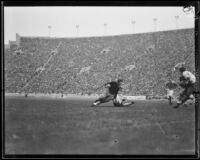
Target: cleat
[[178, 105], [175, 107], [95, 104], [185, 105]]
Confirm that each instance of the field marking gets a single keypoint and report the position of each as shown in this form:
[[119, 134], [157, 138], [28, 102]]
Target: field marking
[[96, 127], [99, 126], [163, 123], [158, 124]]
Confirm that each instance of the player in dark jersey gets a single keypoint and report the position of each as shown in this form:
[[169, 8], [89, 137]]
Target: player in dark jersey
[[113, 88]]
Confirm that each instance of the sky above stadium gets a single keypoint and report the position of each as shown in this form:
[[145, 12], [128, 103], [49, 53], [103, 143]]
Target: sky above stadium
[[91, 21]]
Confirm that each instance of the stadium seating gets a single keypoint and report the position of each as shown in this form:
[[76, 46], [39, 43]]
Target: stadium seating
[[83, 64]]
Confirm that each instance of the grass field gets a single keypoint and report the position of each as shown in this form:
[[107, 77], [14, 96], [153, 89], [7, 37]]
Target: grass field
[[70, 126]]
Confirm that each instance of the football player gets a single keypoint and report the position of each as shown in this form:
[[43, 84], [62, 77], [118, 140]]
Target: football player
[[113, 88], [170, 86], [120, 101], [187, 83]]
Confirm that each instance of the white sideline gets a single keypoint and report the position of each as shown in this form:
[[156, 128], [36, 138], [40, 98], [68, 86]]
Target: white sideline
[[135, 97], [71, 96]]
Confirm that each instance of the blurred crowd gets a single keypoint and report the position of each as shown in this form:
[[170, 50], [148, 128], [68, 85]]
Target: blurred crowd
[[80, 65]]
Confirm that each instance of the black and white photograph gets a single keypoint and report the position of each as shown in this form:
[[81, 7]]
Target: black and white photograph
[[114, 80]]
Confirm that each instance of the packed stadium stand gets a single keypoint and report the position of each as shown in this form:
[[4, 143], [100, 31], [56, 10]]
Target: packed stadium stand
[[80, 65]]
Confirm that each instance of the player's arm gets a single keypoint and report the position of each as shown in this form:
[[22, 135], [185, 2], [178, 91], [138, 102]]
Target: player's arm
[[187, 80], [182, 84], [184, 81], [107, 85]]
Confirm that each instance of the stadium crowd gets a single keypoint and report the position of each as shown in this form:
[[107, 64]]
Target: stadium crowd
[[80, 65]]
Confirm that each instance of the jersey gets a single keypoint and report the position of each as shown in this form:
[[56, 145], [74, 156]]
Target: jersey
[[188, 76], [170, 93], [171, 85], [118, 100], [113, 87]]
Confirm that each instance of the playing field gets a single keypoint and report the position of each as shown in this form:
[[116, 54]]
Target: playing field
[[70, 126]]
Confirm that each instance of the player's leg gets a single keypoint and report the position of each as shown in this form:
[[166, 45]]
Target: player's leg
[[170, 95], [96, 102], [120, 102], [99, 101], [191, 99], [170, 100], [180, 98], [117, 100], [185, 95], [106, 98], [127, 103], [189, 94], [26, 94]]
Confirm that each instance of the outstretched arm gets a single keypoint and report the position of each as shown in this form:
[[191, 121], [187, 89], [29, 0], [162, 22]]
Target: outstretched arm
[[107, 84]]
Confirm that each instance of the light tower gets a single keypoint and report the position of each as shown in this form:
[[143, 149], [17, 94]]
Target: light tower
[[176, 18], [155, 24], [49, 28], [105, 28], [133, 23], [77, 28]]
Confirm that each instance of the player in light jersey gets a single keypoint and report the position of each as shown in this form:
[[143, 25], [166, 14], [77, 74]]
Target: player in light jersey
[[120, 101], [170, 86], [187, 82]]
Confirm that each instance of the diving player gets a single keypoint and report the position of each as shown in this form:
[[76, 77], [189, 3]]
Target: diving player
[[113, 88]]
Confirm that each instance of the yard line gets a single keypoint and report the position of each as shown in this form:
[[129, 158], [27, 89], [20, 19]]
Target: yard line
[[157, 123]]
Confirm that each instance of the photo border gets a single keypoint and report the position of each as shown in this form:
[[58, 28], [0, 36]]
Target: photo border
[[196, 4]]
